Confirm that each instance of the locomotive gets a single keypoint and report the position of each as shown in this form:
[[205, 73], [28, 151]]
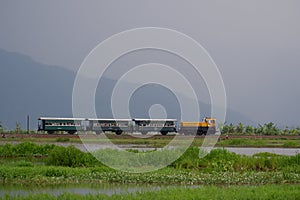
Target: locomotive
[[118, 126]]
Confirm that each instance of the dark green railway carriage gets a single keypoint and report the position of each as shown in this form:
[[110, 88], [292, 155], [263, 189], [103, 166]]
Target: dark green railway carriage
[[117, 126], [164, 126], [69, 125]]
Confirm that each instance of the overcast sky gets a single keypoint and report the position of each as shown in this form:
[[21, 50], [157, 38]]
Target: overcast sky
[[255, 43]]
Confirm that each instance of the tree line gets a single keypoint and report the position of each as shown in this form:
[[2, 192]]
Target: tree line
[[265, 129]]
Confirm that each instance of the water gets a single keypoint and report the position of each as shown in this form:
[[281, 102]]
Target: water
[[239, 150], [83, 189]]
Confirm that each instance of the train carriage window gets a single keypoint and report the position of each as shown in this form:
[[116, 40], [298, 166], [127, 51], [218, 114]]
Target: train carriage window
[[211, 121], [169, 124], [122, 124]]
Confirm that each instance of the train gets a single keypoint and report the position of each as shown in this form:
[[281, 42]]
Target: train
[[119, 126]]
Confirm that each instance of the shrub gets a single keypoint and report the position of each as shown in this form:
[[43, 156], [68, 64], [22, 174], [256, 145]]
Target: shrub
[[70, 156], [25, 149], [188, 160], [7, 150]]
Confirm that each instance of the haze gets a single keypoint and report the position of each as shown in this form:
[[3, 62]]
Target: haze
[[255, 44]]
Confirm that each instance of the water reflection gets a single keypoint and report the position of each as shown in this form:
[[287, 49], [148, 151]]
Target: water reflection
[[83, 189]]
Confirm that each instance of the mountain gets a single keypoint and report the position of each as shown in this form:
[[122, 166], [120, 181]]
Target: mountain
[[35, 89], [31, 88]]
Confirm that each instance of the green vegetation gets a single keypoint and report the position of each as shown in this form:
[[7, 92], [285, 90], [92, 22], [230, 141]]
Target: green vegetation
[[245, 142], [73, 157], [25, 149], [70, 157], [203, 192], [292, 144], [51, 175], [70, 165], [266, 129], [62, 139], [157, 142]]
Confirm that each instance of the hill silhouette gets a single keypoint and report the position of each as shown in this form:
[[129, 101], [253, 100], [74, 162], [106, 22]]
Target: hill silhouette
[[35, 89]]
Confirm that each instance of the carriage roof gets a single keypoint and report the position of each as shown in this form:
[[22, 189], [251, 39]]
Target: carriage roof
[[163, 120], [95, 119], [61, 119]]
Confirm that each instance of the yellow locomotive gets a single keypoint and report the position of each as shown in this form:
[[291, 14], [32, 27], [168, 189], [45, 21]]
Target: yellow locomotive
[[207, 126]]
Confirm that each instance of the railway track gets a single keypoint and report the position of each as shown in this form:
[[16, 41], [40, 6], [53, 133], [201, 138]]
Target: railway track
[[128, 136]]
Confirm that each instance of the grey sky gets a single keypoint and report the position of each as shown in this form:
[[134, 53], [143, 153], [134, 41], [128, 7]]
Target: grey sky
[[256, 44]]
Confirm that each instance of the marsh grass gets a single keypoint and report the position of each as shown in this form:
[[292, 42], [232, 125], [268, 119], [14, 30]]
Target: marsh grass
[[219, 160], [212, 171], [245, 142], [201, 192], [70, 165], [52, 175]]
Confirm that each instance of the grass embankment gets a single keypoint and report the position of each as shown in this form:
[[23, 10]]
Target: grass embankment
[[158, 142], [203, 192], [29, 163], [252, 142]]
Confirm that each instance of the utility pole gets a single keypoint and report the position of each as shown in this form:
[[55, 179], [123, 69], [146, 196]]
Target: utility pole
[[28, 124]]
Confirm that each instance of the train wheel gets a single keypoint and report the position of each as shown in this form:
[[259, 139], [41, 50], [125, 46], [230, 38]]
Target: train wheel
[[119, 132], [50, 132], [164, 132], [144, 132], [71, 132], [98, 132]]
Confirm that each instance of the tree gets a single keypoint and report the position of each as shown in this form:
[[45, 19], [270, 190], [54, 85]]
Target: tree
[[223, 128], [239, 129], [296, 131], [267, 129], [231, 128], [249, 129], [271, 129], [285, 131], [259, 130]]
